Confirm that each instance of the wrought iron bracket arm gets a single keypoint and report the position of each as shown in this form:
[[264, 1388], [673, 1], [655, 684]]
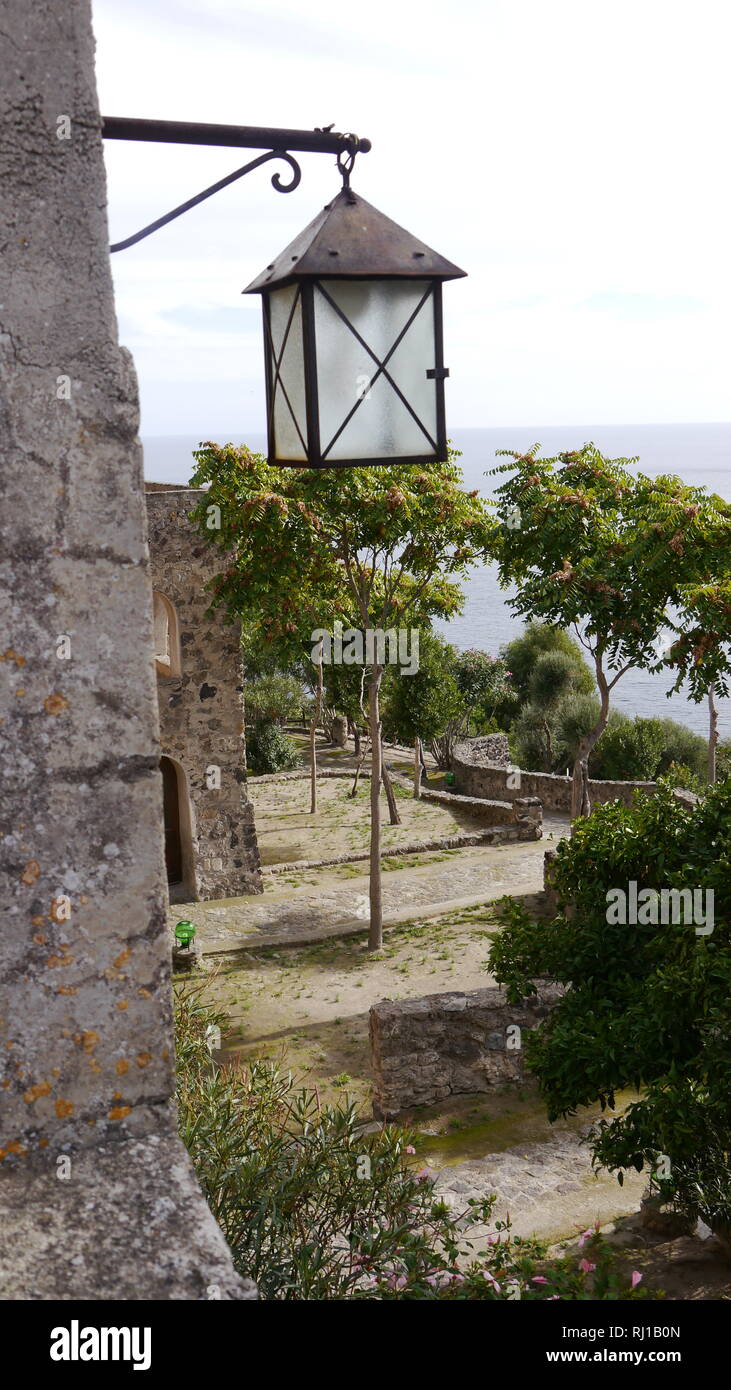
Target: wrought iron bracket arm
[[253, 137]]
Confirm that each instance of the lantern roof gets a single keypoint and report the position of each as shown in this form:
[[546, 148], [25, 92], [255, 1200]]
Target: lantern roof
[[351, 239]]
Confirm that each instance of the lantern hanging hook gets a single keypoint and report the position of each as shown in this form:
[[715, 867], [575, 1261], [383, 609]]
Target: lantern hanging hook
[[346, 159]]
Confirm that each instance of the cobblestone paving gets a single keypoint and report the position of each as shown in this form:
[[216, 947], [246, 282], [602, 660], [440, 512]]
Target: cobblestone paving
[[333, 904], [546, 1187]]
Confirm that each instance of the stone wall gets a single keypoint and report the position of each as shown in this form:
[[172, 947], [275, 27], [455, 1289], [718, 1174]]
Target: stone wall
[[424, 1050], [522, 815], [97, 1194], [475, 775], [489, 748], [202, 709]]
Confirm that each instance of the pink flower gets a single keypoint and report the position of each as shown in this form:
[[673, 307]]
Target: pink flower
[[396, 1281], [410, 1149], [424, 1174], [585, 1235], [636, 1278], [491, 1279], [552, 1298], [586, 1266], [538, 1279], [457, 1278]]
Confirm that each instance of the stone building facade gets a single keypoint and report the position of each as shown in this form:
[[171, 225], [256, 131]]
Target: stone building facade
[[210, 838]]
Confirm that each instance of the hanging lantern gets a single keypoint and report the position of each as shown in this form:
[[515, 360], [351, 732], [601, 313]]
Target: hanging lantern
[[353, 342]]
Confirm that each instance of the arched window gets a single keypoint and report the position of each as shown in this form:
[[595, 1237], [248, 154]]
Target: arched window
[[167, 637]]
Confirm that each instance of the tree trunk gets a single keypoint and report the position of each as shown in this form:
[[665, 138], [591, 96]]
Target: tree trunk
[[375, 933], [356, 779], [549, 745], [313, 733], [417, 768], [712, 734], [390, 796], [580, 800], [356, 740]]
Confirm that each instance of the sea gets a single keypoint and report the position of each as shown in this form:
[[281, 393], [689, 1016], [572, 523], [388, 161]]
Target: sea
[[700, 454]]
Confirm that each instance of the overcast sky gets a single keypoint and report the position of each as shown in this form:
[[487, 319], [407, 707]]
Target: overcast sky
[[571, 156]]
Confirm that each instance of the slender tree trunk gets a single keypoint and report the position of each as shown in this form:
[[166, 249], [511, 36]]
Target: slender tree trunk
[[356, 740], [580, 800], [375, 934], [316, 714], [417, 768], [549, 745], [712, 734], [390, 795], [356, 779]]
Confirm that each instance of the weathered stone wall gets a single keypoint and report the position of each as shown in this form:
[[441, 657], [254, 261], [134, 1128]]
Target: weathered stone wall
[[85, 1004], [202, 709], [424, 1050], [476, 775], [522, 814], [489, 748]]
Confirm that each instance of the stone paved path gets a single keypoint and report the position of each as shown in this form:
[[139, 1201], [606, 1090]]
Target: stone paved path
[[547, 1188], [329, 904]]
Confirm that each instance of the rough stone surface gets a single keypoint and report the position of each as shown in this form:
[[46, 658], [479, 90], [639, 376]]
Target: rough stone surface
[[476, 774], [85, 1004], [202, 708], [489, 748], [85, 995], [547, 1189], [424, 1050], [128, 1221], [340, 731]]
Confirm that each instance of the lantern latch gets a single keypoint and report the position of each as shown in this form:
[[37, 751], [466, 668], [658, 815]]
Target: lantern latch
[[437, 373]]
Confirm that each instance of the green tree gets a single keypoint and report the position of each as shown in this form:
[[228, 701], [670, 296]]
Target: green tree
[[272, 699], [386, 542], [647, 990], [419, 707], [535, 640], [593, 548], [701, 653]]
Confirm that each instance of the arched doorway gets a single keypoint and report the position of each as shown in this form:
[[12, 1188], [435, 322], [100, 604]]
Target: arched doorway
[[178, 831], [171, 812]]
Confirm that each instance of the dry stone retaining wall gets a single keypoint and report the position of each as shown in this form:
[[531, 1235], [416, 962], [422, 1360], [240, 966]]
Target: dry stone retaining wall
[[424, 1050], [478, 775]]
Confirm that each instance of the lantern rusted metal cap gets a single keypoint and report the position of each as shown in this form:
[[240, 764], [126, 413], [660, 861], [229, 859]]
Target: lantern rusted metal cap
[[351, 239]]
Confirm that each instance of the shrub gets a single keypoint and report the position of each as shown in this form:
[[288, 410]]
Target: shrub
[[628, 750], [647, 1005], [643, 749], [273, 698], [270, 750], [680, 775], [313, 1208], [681, 745]]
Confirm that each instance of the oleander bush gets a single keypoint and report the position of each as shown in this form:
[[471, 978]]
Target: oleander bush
[[315, 1209]]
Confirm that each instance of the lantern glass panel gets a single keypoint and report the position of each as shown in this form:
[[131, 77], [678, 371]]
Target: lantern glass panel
[[288, 378], [382, 425]]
